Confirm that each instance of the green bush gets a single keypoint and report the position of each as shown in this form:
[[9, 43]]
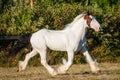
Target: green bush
[[17, 18]]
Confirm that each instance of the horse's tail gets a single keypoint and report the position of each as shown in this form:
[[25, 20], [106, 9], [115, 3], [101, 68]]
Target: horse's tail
[[22, 42]]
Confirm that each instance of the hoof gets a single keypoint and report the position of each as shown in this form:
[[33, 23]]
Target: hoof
[[61, 70], [96, 71], [54, 73], [20, 66], [94, 68]]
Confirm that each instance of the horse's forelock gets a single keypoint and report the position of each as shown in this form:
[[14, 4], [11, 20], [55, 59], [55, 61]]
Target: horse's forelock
[[88, 12]]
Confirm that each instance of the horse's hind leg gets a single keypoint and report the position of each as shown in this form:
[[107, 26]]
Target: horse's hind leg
[[22, 64], [45, 64]]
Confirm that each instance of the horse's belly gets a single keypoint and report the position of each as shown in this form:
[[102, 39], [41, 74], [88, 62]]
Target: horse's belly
[[58, 46]]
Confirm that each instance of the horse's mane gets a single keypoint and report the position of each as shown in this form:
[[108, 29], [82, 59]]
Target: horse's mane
[[74, 20], [78, 17]]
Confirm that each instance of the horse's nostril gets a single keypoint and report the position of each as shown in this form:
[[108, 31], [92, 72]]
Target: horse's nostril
[[100, 28]]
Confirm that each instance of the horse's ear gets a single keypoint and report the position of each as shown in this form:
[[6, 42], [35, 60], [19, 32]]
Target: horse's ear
[[88, 12]]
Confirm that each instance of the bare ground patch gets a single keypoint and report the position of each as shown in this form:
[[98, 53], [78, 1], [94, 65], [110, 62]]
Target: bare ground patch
[[109, 71]]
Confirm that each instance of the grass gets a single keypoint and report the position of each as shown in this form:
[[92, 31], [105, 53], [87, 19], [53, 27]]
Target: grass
[[109, 71]]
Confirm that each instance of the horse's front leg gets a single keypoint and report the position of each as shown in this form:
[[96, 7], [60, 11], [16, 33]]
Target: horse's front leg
[[93, 64], [63, 68]]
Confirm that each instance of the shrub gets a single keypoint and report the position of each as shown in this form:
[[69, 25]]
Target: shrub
[[17, 18]]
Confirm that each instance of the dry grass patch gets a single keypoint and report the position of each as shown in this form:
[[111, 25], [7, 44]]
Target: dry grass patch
[[110, 71]]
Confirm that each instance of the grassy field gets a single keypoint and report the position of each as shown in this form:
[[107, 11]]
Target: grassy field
[[109, 71]]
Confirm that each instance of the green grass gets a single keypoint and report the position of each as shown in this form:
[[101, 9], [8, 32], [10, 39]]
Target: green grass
[[109, 71]]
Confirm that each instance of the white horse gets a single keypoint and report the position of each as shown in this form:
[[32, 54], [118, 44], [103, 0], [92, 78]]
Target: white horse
[[70, 39]]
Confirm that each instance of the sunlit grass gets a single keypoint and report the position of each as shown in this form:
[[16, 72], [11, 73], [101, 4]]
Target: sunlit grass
[[109, 71]]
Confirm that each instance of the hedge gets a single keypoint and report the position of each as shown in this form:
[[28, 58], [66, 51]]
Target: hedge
[[17, 18]]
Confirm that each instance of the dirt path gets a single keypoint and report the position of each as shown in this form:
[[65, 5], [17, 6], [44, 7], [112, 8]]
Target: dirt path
[[110, 71]]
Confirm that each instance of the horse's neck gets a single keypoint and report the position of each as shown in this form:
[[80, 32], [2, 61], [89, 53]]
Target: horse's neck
[[79, 29]]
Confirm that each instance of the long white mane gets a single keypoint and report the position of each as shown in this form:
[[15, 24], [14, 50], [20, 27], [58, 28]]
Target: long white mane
[[69, 25]]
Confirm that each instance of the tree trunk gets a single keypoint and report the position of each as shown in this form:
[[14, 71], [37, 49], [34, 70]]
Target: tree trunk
[[31, 4]]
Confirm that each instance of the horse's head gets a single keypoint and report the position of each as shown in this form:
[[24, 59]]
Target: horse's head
[[92, 22]]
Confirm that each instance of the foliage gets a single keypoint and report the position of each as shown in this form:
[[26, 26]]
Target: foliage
[[17, 18]]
